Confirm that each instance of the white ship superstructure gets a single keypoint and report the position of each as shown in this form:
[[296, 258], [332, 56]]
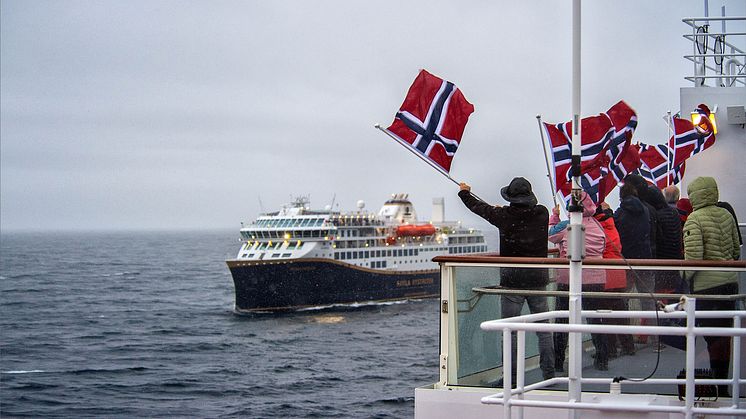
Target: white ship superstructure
[[391, 239]]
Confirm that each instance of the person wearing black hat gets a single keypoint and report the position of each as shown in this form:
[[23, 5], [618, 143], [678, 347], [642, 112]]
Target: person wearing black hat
[[523, 229]]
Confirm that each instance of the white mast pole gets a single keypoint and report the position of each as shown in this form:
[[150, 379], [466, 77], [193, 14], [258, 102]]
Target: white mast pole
[[671, 149], [576, 248]]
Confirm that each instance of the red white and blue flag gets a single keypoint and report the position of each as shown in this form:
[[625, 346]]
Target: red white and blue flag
[[690, 139], [656, 166], [622, 161], [432, 119], [596, 132]]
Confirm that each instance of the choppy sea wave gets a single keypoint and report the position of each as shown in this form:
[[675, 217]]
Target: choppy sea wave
[[142, 325]]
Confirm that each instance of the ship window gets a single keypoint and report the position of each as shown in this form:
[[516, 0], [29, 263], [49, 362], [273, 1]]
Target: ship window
[[416, 252], [316, 233], [349, 255], [286, 255], [251, 255], [319, 221], [275, 255], [384, 264], [366, 254]]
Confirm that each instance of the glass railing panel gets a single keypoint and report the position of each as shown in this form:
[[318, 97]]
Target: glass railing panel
[[479, 296]]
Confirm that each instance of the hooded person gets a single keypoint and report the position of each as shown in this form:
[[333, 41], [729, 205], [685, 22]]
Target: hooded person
[[668, 240], [616, 281], [523, 233], [641, 186], [632, 221], [593, 280], [710, 233]]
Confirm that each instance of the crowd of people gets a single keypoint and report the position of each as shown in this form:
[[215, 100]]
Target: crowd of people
[[649, 224]]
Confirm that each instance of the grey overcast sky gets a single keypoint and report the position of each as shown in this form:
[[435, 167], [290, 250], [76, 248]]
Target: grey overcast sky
[[183, 115]]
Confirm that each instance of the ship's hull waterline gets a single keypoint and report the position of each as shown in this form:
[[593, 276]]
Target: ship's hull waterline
[[305, 283]]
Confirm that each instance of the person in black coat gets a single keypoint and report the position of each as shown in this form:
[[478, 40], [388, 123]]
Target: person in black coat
[[632, 220], [668, 240], [669, 244], [523, 232], [641, 185]]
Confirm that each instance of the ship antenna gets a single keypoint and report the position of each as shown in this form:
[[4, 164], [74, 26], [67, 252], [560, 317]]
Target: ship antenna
[[261, 206], [334, 198]]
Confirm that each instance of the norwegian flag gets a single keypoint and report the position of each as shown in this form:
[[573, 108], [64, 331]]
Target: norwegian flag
[[622, 161], [655, 166], [596, 131], [432, 119], [688, 140]]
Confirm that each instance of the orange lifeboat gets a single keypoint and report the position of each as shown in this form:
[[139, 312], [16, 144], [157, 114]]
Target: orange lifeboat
[[415, 230]]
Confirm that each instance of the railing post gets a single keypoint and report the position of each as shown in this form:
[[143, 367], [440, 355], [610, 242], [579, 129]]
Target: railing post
[[507, 372], [690, 353], [736, 354], [521, 367]]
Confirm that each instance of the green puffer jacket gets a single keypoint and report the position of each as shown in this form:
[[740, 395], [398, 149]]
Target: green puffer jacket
[[710, 233]]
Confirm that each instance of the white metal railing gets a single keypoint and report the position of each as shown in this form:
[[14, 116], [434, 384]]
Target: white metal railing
[[710, 52], [522, 324]]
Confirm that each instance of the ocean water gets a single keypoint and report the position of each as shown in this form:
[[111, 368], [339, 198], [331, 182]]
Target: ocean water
[[141, 325]]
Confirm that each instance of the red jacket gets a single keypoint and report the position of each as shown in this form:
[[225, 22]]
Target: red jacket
[[617, 278]]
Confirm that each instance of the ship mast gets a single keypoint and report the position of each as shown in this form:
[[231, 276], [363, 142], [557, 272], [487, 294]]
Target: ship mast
[[576, 248]]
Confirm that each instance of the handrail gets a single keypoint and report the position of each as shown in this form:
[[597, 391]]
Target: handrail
[[495, 258], [522, 324], [598, 294]]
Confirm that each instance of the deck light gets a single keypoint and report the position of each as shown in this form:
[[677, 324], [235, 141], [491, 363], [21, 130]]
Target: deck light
[[697, 120]]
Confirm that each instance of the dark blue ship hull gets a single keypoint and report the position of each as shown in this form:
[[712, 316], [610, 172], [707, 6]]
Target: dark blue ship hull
[[303, 283]]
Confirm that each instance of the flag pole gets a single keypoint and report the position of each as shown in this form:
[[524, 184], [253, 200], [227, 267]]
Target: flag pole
[[409, 148], [546, 160], [671, 145]]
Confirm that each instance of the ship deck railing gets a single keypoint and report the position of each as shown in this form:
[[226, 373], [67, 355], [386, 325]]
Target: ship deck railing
[[472, 355], [715, 55]]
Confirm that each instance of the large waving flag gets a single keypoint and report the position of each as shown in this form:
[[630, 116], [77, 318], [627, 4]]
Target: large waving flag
[[608, 155], [656, 166], [595, 134], [622, 160], [690, 139], [432, 119]]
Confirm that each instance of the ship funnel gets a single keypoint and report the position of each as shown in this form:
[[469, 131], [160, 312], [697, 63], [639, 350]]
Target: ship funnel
[[438, 210]]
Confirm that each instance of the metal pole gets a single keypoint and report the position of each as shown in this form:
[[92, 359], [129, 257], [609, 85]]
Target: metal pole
[[546, 159], [576, 239], [408, 147], [433, 165], [690, 308], [671, 149]]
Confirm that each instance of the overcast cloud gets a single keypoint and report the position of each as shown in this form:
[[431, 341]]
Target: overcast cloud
[[173, 114]]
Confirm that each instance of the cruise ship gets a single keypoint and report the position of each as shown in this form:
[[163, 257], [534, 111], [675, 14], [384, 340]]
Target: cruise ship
[[299, 258]]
